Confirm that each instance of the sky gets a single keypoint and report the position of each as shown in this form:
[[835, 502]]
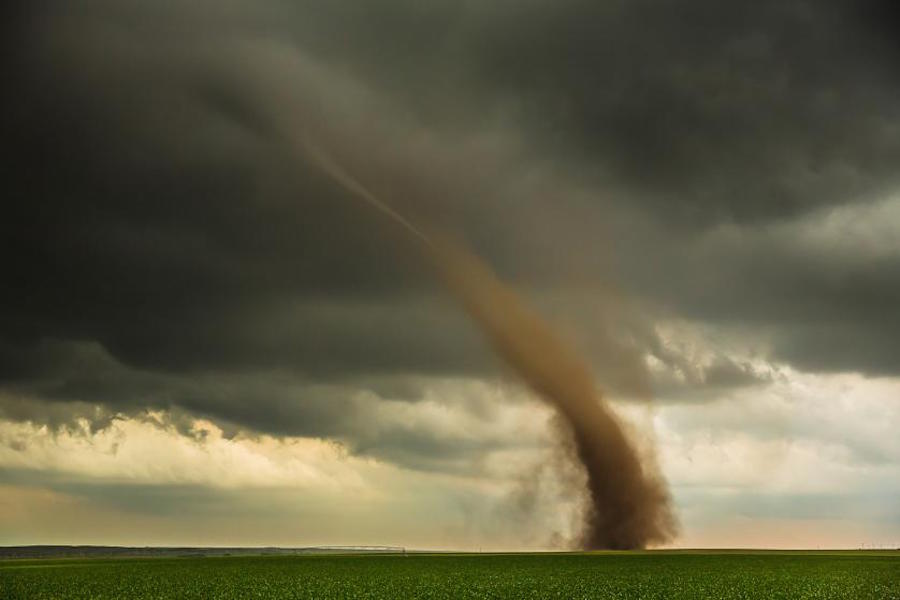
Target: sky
[[204, 340]]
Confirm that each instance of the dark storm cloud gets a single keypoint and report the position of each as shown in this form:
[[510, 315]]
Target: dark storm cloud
[[80, 384], [149, 212], [820, 287], [709, 111], [717, 111], [154, 209]]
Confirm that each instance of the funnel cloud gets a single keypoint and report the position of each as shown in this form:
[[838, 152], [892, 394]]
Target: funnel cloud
[[629, 505]]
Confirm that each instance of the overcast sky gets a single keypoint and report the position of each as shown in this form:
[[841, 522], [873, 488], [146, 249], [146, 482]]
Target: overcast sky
[[204, 340]]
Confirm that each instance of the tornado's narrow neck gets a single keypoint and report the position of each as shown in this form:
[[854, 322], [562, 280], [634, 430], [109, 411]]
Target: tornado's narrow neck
[[349, 183]]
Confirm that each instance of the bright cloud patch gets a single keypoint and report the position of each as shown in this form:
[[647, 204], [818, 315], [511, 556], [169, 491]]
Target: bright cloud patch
[[803, 451]]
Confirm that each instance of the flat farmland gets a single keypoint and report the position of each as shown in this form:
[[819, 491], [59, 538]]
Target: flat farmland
[[669, 575]]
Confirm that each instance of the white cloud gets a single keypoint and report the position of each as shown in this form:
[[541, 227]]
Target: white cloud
[[153, 452], [805, 448]]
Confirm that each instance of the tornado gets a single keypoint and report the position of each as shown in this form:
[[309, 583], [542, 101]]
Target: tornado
[[629, 503]]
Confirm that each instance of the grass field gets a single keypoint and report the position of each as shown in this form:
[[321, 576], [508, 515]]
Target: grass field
[[850, 575]]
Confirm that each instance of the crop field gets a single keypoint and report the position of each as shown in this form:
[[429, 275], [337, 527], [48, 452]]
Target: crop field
[[850, 575]]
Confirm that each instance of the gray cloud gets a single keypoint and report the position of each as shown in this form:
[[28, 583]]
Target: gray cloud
[[373, 415], [163, 245]]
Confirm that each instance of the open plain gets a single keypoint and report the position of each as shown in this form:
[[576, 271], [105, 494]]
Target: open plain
[[627, 575]]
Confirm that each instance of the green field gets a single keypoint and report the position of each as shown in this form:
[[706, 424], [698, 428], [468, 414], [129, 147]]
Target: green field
[[850, 575]]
